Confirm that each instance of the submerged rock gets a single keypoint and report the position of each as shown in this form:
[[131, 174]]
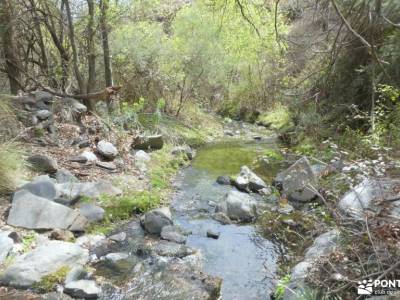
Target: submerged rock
[[224, 180], [212, 234], [46, 259], [156, 219], [238, 206], [298, 182]]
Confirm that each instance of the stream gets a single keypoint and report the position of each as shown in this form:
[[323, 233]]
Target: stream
[[244, 260]]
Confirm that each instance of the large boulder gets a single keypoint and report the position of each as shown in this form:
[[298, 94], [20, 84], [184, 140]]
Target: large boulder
[[238, 206], [107, 150], [42, 187], [86, 289], [298, 182], [6, 245], [154, 142], [248, 181], [33, 212], [44, 260], [156, 219], [370, 195], [43, 163]]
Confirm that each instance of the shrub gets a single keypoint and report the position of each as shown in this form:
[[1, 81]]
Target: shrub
[[11, 167]]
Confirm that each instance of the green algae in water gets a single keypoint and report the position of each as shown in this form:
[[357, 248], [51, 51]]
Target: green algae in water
[[225, 158]]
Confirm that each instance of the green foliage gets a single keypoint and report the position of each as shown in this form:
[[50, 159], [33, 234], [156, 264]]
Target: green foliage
[[122, 208], [11, 167], [281, 287], [278, 118], [273, 155], [48, 282], [28, 240]]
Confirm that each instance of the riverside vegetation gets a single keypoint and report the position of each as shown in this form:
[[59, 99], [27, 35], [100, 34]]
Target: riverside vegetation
[[198, 149]]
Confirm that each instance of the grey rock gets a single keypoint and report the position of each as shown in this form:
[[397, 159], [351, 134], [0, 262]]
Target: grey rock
[[55, 296], [43, 163], [141, 159], [44, 188], [224, 180], [76, 273], [106, 165], [33, 212], [184, 150], [116, 256], [42, 96], [6, 245], [86, 289], [319, 169], [107, 150], [89, 155], [370, 195], [212, 234], [154, 142], [46, 259], [64, 176], [71, 192], [238, 206], [298, 182], [323, 245], [92, 212], [156, 219], [249, 181], [285, 209], [171, 249], [43, 114], [174, 233], [119, 237], [221, 218], [90, 241]]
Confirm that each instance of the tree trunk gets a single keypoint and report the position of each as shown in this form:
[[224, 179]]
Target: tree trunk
[[71, 32], [10, 50], [106, 46], [91, 54]]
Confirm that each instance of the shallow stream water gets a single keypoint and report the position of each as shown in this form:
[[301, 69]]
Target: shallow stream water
[[241, 256]]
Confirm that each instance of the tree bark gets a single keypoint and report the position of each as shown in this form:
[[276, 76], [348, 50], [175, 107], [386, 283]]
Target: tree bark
[[106, 47], [75, 62], [7, 24], [91, 54]]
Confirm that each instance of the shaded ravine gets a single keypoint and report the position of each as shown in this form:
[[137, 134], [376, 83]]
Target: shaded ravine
[[244, 260]]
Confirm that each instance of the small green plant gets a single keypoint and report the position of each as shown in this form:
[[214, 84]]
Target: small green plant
[[48, 282], [278, 117], [28, 240], [273, 155], [281, 287]]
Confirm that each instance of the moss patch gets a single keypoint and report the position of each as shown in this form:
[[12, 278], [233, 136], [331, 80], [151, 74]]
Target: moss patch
[[48, 282]]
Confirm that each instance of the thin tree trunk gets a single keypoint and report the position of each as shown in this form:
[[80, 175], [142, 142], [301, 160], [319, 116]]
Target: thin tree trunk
[[10, 51], [106, 47], [91, 54], [71, 31]]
